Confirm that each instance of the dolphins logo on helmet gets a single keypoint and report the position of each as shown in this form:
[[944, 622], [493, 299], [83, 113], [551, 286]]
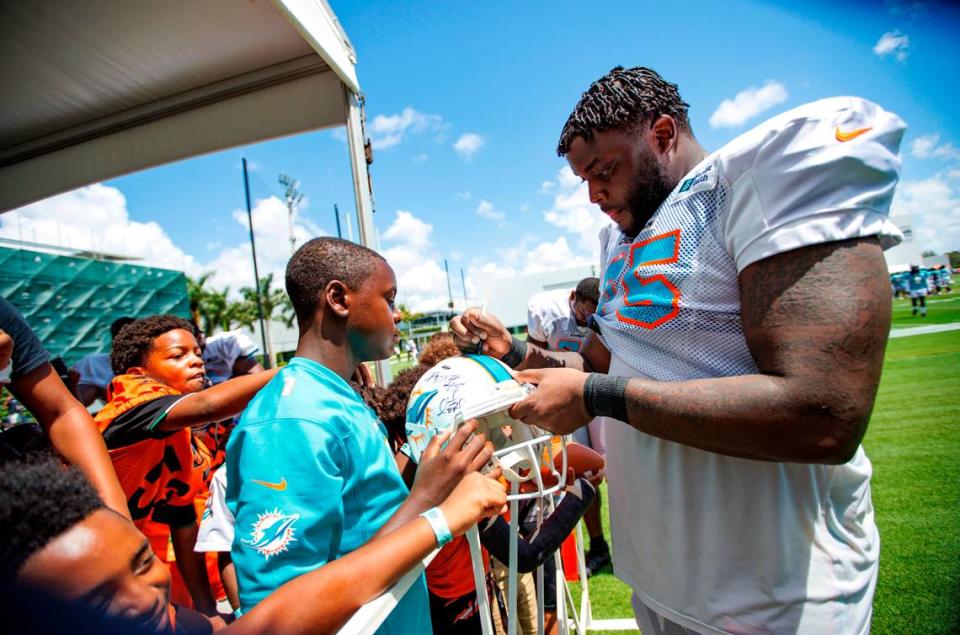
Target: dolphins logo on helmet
[[481, 387]]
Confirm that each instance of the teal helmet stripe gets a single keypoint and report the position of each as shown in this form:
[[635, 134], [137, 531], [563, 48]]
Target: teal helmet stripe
[[418, 409], [497, 371]]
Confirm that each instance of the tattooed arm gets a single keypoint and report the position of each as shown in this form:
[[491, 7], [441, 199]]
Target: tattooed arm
[[816, 321]]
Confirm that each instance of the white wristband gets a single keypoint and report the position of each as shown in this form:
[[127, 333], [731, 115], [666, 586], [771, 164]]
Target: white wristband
[[439, 525]]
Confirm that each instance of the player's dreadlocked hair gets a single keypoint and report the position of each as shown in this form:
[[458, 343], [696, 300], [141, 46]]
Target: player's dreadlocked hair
[[41, 500], [134, 341], [622, 98]]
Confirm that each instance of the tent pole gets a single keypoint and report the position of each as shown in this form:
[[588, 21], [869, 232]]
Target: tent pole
[[361, 156]]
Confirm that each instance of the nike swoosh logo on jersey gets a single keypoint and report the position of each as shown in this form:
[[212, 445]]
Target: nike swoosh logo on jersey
[[843, 137], [282, 485]]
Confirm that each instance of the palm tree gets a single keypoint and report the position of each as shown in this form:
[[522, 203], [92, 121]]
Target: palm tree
[[271, 300], [197, 294], [215, 309], [407, 316]]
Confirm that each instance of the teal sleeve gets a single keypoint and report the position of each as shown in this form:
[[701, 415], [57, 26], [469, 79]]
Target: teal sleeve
[[284, 484]]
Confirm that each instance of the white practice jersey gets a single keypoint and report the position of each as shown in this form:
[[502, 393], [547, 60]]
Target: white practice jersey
[[217, 522], [550, 319], [94, 370], [222, 352], [713, 542]]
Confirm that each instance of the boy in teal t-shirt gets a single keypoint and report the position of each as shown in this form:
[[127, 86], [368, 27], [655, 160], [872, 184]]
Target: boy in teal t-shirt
[[310, 474]]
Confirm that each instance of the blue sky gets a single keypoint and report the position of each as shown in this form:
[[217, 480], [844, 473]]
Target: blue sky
[[465, 102]]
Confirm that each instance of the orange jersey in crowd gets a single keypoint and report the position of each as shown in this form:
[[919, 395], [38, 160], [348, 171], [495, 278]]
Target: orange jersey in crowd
[[155, 467]]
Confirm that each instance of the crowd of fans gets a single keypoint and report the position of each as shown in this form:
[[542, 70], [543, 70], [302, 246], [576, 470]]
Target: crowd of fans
[[137, 533]]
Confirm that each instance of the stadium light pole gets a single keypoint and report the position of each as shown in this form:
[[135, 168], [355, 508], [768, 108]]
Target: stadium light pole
[[449, 288], [293, 196], [336, 214], [256, 274]]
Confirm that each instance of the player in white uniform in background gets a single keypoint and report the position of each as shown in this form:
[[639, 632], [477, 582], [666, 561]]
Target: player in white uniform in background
[[217, 528], [230, 354], [557, 321], [743, 318]]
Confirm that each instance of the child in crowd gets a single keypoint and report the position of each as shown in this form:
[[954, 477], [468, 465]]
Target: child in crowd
[[217, 524], [450, 580], [153, 401], [69, 564], [310, 476]]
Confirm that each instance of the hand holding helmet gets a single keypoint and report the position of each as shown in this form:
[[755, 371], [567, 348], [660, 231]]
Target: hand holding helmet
[[476, 497], [557, 405], [458, 390], [446, 459]]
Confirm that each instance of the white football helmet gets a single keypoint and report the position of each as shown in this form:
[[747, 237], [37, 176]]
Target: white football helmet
[[481, 387]]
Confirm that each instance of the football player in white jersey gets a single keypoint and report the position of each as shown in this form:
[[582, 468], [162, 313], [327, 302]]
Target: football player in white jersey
[[557, 321], [743, 317]]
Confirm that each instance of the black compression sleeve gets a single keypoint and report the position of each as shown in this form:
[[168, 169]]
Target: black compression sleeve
[[606, 396], [516, 354]]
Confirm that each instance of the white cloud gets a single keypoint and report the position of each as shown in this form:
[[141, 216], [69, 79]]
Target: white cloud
[[573, 212], [547, 186], [748, 104], [421, 279], [486, 210], [233, 267], [893, 43], [409, 230], [934, 204], [389, 130], [463, 196], [525, 257], [95, 218], [468, 144], [421, 158], [929, 147]]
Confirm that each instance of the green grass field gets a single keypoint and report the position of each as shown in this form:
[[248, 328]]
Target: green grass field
[[913, 440], [941, 309]]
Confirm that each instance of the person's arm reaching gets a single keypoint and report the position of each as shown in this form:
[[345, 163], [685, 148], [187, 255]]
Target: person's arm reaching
[[816, 321], [475, 326], [533, 552], [217, 402], [72, 432], [337, 591], [6, 349], [193, 568], [246, 366]]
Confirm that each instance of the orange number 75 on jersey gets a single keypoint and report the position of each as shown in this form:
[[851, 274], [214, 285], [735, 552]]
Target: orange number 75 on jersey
[[649, 301]]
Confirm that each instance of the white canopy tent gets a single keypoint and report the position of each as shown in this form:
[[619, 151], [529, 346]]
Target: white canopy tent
[[93, 89]]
